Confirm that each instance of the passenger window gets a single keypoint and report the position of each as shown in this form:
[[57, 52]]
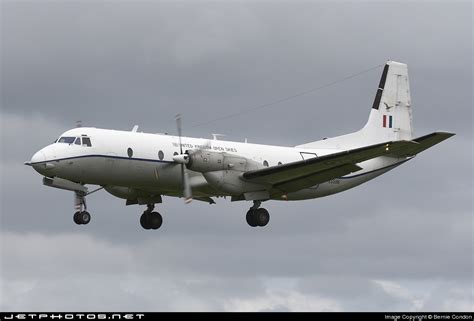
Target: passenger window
[[86, 141], [78, 141]]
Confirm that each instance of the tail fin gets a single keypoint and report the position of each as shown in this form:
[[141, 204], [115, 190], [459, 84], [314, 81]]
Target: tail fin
[[391, 114], [390, 118]]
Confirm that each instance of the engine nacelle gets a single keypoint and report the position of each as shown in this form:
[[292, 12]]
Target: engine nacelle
[[223, 170], [230, 181], [207, 161]]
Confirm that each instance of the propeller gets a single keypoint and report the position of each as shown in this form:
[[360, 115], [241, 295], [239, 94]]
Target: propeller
[[183, 159]]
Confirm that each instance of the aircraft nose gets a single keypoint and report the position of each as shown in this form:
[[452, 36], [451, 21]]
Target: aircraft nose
[[38, 157], [38, 162]]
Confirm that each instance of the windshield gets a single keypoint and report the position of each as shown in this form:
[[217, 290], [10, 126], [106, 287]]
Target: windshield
[[67, 140]]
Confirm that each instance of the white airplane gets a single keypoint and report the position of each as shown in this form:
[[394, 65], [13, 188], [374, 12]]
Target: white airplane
[[141, 167]]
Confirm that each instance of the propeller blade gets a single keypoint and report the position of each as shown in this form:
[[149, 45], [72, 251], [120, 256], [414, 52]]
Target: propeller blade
[[183, 159], [178, 124], [188, 197]]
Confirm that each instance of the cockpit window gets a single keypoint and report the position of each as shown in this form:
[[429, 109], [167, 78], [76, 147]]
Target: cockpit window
[[67, 140], [78, 141], [86, 141]]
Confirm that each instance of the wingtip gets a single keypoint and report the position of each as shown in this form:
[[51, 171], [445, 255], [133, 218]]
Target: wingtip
[[445, 134], [27, 163]]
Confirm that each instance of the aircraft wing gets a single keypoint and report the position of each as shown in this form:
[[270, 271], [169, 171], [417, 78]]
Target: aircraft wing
[[309, 172]]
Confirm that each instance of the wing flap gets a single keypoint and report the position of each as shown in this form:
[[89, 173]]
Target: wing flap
[[324, 166], [317, 178]]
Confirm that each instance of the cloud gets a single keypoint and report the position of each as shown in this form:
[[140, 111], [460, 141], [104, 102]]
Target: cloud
[[25, 133], [52, 272], [430, 296], [283, 302]]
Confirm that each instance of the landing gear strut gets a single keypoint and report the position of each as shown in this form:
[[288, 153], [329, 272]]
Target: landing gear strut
[[151, 220], [81, 217], [257, 216]]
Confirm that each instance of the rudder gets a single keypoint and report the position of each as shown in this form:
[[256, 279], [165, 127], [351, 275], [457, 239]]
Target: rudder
[[391, 114]]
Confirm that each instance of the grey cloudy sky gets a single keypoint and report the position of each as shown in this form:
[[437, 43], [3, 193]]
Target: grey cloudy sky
[[400, 242]]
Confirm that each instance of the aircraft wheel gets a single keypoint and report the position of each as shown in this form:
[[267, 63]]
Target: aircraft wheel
[[262, 217], [85, 217], [145, 220], [155, 220], [251, 218], [76, 218], [82, 218]]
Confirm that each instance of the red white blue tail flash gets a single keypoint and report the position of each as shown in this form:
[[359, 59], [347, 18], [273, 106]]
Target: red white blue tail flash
[[390, 121]]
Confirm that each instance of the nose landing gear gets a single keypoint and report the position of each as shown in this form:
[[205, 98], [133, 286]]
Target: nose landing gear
[[81, 217]]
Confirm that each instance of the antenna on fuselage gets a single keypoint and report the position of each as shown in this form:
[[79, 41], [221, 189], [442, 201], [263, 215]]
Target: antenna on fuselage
[[214, 136], [78, 123]]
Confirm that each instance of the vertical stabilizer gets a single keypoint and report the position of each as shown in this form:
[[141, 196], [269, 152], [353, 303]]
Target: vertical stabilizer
[[391, 115]]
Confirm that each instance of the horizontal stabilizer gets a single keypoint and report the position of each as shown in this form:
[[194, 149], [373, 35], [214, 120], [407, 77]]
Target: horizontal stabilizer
[[423, 143]]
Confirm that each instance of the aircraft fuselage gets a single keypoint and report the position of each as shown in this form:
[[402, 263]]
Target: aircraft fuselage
[[143, 161]]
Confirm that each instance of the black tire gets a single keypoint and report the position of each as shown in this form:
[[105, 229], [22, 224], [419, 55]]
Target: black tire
[[145, 220], [262, 217], [155, 220], [76, 218], [251, 219], [84, 217]]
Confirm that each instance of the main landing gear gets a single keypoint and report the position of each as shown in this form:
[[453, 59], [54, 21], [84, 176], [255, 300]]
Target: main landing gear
[[81, 217], [257, 216], [151, 220]]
